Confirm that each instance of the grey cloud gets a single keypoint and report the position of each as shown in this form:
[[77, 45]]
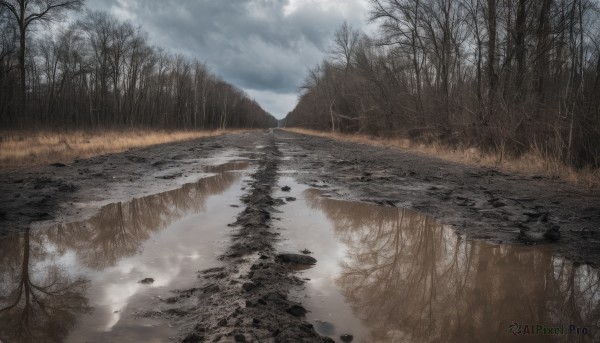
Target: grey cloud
[[250, 43]]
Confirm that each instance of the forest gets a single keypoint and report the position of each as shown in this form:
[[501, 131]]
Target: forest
[[98, 72], [504, 76]]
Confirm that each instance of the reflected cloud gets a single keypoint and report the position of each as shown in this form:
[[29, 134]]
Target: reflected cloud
[[38, 303], [412, 279], [118, 230], [42, 290]]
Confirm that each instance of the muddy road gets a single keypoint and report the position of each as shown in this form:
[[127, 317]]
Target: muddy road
[[276, 236]]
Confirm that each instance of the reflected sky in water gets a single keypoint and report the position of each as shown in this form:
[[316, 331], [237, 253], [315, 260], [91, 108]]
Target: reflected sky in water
[[78, 282], [394, 275]]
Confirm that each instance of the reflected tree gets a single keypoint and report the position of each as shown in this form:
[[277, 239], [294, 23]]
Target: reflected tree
[[414, 280], [120, 229], [39, 301]]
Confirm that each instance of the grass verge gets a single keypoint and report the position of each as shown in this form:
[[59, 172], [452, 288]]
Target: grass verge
[[22, 148], [532, 163]]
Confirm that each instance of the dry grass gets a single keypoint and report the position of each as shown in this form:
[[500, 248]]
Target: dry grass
[[531, 163], [21, 148]]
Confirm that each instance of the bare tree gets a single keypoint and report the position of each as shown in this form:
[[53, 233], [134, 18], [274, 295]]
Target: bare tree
[[27, 13], [502, 75]]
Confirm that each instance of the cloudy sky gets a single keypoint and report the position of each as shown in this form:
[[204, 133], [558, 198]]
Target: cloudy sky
[[261, 46]]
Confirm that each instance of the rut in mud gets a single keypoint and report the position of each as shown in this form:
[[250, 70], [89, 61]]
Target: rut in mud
[[247, 299]]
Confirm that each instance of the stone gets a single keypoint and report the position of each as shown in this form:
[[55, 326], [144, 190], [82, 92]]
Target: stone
[[193, 338], [248, 286], [297, 259], [346, 338], [297, 310]]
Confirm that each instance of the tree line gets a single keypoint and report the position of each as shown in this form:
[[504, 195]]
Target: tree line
[[506, 76], [100, 72]]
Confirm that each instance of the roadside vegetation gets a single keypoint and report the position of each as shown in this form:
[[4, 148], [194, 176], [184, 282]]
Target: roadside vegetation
[[510, 82], [23, 148]]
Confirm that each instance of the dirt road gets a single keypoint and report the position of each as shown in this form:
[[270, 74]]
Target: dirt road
[[253, 294]]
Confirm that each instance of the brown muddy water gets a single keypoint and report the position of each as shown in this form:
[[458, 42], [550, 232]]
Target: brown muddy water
[[386, 274], [80, 282], [383, 274]]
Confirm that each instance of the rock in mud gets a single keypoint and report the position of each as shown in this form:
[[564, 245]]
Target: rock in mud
[[58, 164], [193, 338], [288, 199], [297, 310], [286, 188], [248, 286], [553, 234], [306, 251], [146, 281], [297, 259], [346, 338]]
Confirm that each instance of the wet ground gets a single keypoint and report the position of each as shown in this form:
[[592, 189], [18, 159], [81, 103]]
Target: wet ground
[[395, 275], [193, 242]]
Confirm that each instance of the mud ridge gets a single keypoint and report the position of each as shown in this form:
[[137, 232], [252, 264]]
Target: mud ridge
[[248, 298]]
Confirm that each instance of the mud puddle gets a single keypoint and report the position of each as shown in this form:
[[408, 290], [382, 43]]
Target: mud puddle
[[90, 281], [386, 274]]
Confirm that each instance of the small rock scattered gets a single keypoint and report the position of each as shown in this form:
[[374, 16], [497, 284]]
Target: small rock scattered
[[288, 199], [346, 337], [248, 286], [306, 251], [297, 310], [193, 338], [297, 259], [552, 234], [286, 188], [146, 281]]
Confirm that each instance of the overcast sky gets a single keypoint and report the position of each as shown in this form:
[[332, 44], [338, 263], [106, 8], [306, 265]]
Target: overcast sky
[[261, 46]]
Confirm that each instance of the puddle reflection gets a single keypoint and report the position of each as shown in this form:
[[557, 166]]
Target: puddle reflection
[[38, 303], [50, 277], [119, 229], [410, 279]]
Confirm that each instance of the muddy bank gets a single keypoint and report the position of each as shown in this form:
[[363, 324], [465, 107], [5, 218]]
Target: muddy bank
[[75, 190], [480, 202], [247, 299]]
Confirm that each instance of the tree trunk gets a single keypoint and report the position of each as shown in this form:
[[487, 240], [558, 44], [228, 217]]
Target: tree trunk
[[492, 77], [21, 57]]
